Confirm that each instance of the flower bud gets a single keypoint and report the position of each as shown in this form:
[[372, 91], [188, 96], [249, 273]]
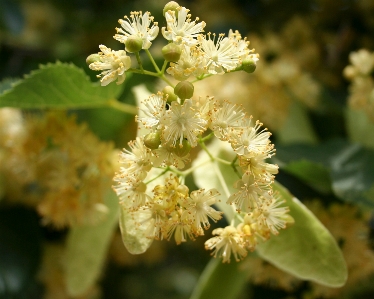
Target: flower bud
[[172, 5], [171, 52], [182, 150], [152, 140], [168, 90], [249, 63], [184, 90], [133, 44], [92, 58]]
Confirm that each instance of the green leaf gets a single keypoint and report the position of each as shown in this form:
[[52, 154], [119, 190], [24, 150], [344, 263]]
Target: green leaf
[[315, 175], [220, 280], [7, 84], [349, 168], [86, 250], [306, 250], [58, 86], [353, 176]]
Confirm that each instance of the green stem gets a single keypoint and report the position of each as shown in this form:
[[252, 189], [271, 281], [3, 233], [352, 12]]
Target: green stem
[[139, 60], [143, 72], [161, 174], [234, 167], [202, 77], [222, 161], [207, 137], [203, 146], [115, 104], [164, 67], [153, 61]]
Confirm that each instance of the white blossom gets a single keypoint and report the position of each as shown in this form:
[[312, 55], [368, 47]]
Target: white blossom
[[138, 26], [181, 30], [113, 65]]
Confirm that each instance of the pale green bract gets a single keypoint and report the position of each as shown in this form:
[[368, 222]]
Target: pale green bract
[[306, 250]]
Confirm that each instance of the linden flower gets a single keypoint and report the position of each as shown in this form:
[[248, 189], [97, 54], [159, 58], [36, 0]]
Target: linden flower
[[241, 44], [199, 207], [171, 193], [227, 243], [247, 230], [190, 63], [183, 121], [256, 165], [137, 162], [138, 26], [180, 226], [180, 29], [222, 54], [225, 116], [249, 194], [273, 215], [247, 140], [113, 65], [154, 109], [131, 192], [165, 156]]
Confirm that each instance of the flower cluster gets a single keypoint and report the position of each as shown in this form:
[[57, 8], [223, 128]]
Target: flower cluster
[[362, 87], [150, 183], [45, 165], [198, 55]]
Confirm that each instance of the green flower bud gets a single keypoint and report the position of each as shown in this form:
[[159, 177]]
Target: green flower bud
[[249, 64], [172, 5], [133, 44], [168, 90], [184, 90], [92, 58], [171, 52], [152, 140], [183, 150]]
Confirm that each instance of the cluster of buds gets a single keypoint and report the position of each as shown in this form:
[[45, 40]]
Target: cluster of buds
[[150, 183]]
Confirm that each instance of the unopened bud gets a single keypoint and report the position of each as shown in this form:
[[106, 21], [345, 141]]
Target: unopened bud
[[173, 6], [168, 90], [182, 150], [133, 44], [184, 90], [249, 63], [171, 52], [92, 58], [152, 140]]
